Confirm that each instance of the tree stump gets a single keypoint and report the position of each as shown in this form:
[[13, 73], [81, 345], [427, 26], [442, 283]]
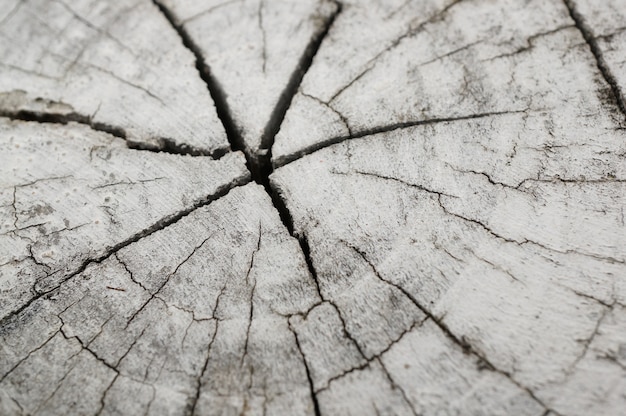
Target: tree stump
[[313, 207]]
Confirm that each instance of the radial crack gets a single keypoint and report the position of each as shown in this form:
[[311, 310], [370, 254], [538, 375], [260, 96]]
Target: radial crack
[[462, 342], [316, 406], [603, 66], [159, 225], [278, 115], [287, 159], [165, 145]]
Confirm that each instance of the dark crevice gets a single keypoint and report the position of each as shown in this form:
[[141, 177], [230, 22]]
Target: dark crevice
[[316, 406], [170, 146], [591, 40], [285, 160], [164, 145], [56, 118], [259, 163], [287, 220], [159, 225], [264, 159], [216, 91]]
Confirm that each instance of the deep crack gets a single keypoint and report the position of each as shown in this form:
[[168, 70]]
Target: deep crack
[[164, 144], [258, 162], [264, 159], [159, 225], [603, 66], [215, 89], [307, 150]]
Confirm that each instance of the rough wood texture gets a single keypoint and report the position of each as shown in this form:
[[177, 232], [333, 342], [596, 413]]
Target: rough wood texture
[[191, 318], [604, 26], [69, 195], [461, 59], [437, 228], [256, 52], [118, 66], [485, 228]]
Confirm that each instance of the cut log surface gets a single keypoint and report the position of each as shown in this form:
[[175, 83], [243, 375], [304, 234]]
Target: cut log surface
[[255, 50], [69, 195], [191, 318], [524, 272], [458, 59], [284, 207], [118, 66]]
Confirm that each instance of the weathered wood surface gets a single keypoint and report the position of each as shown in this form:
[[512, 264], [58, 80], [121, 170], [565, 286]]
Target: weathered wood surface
[[453, 60], [523, 266], [118, 66], [255, 50], [70, 195], [192, 317], [443, 232]]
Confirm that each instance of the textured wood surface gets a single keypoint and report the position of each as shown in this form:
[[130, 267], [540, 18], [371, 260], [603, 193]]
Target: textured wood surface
[[70, 195], [281, 207], [256, 51], [191, 317], [118, 66], [519, 271], [466, 59]]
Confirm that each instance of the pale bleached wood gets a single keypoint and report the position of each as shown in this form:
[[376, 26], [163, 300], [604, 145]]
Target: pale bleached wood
[[253, 49], [69, 194], [510, 238], [460, 59], [191, 318], [116, 65], [469, 266]]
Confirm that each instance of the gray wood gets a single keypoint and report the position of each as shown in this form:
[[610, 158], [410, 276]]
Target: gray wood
[[460, 59], [254, 50], [443, 232], [118, 66], [69, 194], [509, 240], [191, 317]]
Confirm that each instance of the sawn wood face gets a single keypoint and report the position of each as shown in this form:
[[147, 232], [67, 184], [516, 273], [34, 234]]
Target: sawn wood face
[[310, 207]]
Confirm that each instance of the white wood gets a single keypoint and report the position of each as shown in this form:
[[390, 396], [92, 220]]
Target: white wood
[[69, 194], [191, 317], [443, 233], [459, 59], [252, 49], [511, 239], [117, 65]]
